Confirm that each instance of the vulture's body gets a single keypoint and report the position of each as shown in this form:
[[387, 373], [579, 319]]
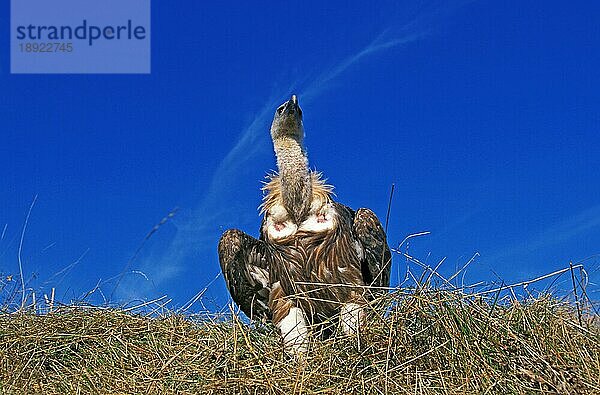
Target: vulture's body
[[315, 258]]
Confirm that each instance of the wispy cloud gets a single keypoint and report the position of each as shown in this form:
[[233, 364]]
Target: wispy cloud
[[422, 25], [567, 229], [379, 44], [197, 228], [560, 232]]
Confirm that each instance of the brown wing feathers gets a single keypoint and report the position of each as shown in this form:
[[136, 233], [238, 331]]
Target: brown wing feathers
[[244, 263], [376, 265]]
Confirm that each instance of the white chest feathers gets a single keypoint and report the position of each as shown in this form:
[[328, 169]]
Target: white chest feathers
[[279, 225]]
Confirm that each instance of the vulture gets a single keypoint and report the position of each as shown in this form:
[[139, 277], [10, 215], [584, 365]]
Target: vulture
[[316, 260]]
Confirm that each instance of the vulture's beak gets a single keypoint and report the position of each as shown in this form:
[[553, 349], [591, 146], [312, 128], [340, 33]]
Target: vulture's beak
[[289, 107]]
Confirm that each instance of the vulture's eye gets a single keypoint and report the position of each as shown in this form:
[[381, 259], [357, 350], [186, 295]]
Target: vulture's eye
[[280, 109]]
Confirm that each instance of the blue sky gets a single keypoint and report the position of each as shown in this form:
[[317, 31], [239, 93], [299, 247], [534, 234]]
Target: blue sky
[[484, 115]]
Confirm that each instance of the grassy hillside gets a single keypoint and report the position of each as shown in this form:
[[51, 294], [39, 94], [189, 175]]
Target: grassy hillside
[[429, 342]]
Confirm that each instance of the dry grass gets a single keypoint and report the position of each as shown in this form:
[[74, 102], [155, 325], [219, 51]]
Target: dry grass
[[430, 341]]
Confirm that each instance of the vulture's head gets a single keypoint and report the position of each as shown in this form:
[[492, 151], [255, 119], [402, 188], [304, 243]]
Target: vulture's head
[[288, 121]]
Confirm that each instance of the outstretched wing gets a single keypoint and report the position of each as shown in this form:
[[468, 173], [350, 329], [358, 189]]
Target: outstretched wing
[[377, 258], [246, 269]]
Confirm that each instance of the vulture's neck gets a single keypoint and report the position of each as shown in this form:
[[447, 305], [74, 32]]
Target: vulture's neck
[[294, 176]]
